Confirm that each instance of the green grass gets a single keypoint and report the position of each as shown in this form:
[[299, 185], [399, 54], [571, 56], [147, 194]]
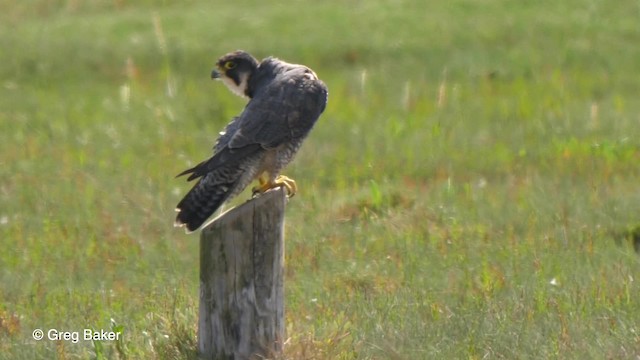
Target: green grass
[[467, 194]]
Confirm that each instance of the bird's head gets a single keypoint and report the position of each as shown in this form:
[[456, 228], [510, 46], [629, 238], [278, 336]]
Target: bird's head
[[235, 69]]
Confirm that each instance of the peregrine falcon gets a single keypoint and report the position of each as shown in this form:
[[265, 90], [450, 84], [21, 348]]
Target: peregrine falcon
[[285, 100]]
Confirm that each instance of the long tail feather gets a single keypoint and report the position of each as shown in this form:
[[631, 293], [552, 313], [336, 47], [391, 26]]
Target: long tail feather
[[200, 202], [222, 176]]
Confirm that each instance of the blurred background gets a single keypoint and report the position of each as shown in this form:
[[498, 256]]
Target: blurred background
[[471, 190]]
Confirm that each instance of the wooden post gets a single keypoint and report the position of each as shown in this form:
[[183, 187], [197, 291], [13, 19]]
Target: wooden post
[[242, 281]]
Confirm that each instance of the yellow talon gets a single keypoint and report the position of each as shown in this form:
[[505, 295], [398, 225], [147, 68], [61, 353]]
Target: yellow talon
[[287, 183]]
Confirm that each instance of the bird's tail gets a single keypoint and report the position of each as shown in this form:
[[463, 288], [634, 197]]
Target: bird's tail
[[202, 201], [221, 177]]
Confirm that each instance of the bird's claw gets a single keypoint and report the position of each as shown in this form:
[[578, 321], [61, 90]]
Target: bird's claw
[[289, 185], [281, 181]]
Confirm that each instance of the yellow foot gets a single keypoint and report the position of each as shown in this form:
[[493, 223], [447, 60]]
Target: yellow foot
[[287, 183], [260, 188]]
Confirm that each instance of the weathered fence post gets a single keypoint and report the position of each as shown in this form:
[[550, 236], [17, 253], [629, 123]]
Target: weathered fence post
[[242, 281]]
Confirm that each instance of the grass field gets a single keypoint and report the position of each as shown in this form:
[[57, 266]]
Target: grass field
[[470, 192]]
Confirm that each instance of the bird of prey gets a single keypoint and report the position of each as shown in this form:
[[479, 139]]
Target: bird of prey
[[285, 101]]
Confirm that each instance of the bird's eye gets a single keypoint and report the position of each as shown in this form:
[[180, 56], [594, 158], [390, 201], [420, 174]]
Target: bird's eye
[[229, 65]]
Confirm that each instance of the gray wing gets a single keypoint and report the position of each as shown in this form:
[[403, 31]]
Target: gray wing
[[226, 135], [284, 109], [287, 108]]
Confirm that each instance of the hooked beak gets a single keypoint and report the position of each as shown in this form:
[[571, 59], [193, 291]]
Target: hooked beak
[[215, 74]]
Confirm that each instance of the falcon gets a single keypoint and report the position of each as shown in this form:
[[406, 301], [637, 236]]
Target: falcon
[[285, 101]]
